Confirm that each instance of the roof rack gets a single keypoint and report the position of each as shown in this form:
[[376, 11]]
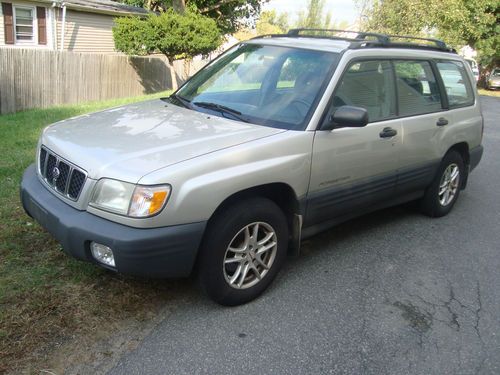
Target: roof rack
[[362, 39], [382, 38]]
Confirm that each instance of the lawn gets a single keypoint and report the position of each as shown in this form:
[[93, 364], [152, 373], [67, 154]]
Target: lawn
[[489, 92], [47, 298]]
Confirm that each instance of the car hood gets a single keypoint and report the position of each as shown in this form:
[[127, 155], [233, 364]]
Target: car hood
[[131, 141]]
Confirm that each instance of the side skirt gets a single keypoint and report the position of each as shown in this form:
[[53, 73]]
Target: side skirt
[[320, 227]]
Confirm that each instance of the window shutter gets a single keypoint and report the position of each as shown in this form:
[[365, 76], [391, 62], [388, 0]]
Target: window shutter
[[42, 25], [8, 22]]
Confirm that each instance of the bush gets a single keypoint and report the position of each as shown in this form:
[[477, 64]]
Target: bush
[[175, 35]]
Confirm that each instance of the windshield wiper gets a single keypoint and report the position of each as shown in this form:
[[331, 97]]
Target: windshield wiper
[[177, 99], [222, 109]]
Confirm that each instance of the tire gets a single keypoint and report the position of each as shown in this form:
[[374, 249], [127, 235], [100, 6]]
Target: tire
[[442, 194], [229, 247]]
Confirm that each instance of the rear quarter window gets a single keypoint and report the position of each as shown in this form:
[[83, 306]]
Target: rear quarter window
[[456, 82]]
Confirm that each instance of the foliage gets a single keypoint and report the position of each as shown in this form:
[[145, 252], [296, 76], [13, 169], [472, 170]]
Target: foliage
[[172, 34], [272, 23], [313, 16], [230, 15], [458, 22], [245, 34]]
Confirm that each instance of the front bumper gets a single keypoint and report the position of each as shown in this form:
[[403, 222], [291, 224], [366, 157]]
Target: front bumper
[[156, 252], [494, 84]]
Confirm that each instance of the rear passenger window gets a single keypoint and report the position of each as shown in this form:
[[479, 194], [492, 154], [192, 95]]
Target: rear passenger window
[[370, 85], [418, 92], [456, 82]]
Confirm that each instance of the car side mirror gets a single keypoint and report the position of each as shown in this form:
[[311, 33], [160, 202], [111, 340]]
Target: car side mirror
[[347, 116]]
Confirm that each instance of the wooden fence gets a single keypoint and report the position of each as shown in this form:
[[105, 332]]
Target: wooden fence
[[40, 79]]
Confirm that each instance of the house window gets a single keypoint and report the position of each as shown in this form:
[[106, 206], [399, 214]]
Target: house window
[[24, 19]]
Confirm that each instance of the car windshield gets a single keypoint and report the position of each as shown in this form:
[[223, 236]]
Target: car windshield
[[265, 85], [496, 73]]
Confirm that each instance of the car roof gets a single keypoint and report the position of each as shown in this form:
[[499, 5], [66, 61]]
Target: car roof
[[305, 43]]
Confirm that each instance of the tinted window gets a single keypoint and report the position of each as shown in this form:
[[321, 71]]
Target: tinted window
[[418, 91], [456, 82], [370, 85]]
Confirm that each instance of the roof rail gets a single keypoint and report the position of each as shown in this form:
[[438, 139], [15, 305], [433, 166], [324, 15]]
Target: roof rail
[[370, 39], [382, 38], [437, 42]]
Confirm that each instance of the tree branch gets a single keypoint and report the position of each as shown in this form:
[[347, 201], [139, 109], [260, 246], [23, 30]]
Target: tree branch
[[216, 5]]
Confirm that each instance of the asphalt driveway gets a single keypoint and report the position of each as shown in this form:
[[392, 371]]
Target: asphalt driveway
[[394, 292]]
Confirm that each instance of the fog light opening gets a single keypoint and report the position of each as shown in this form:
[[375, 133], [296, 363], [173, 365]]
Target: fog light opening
[[102, 253]]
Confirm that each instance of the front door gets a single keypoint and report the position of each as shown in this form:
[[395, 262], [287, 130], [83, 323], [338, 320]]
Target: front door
[[354, 169]]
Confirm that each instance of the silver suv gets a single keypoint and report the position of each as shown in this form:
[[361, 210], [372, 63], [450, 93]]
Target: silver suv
[[277, 139]]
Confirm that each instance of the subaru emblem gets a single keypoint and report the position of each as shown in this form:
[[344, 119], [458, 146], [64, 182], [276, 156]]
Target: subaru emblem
[[55, 174]]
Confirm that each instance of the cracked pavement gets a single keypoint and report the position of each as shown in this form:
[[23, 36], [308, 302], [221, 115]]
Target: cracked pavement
[[394, 292]]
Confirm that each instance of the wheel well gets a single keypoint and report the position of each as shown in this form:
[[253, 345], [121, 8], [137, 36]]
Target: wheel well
[[280, 193], [463, 149]]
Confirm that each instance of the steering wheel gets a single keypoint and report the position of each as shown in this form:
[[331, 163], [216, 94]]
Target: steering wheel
[[301, 106]]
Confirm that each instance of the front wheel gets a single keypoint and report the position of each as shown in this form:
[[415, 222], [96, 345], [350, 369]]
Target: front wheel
[[442, 194], [243, 250]]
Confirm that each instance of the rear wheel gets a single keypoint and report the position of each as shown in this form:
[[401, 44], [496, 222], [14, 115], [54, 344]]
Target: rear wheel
[[442, 194], [243, 250]]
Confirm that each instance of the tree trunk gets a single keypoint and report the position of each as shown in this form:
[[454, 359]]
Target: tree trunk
[[179, 6], [188, 61], [173, 76]]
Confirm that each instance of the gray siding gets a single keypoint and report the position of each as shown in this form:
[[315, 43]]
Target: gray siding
[[86, 32]]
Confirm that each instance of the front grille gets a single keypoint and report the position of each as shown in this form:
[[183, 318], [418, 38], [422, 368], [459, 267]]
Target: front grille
[[62, 176]]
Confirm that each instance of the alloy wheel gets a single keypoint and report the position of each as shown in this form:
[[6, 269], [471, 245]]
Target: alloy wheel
[[448, 185], [250, 255]]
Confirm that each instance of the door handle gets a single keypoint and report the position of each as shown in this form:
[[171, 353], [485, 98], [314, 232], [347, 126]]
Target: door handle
[[388, 133], [442, 121]]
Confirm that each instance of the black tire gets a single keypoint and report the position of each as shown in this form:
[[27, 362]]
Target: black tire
[[222, 232], [432, 203]]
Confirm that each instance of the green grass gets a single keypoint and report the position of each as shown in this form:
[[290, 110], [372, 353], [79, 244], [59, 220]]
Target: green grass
[[44, 294]]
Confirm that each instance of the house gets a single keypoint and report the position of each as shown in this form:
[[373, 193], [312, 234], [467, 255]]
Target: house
[[69, 25]]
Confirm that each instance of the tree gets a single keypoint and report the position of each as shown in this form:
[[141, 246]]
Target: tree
[[174, 35], [230, 15], [313, 16], [458, 22], [272, 23]]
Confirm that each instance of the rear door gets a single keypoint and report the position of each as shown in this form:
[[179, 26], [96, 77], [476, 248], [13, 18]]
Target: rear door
[[353, 169], [436, 105], [420, 106]]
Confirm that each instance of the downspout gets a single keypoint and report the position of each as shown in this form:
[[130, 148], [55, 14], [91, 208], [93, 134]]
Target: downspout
[[63, 24], [54, 25]]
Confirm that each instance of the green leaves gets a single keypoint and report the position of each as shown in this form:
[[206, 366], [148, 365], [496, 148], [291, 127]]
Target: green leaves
[[129, 34], [172, 34], [457, 22], [271, 22], [230, 15]]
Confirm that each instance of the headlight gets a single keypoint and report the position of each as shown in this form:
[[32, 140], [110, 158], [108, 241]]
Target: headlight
[[128, 199]]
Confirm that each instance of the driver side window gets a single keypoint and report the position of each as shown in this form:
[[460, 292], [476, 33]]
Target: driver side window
[[370, 85]]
